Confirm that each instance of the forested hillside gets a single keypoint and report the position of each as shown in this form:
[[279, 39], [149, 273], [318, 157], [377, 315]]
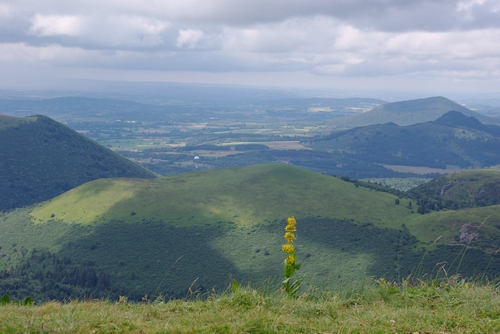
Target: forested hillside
[[469, 189], [41, 158], [452, 139]]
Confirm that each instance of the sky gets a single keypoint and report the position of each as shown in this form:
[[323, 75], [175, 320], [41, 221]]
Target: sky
[[413, 45]]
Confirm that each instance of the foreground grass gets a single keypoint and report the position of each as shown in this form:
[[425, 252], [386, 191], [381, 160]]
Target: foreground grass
[[385, 308]]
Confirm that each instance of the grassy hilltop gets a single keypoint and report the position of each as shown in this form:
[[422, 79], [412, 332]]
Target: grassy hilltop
[[246, 196], [162, 236]]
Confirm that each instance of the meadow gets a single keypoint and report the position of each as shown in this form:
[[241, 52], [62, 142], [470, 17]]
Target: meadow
[[451, 305]]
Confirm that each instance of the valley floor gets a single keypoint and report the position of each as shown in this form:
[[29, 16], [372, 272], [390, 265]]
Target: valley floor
[[422, 307]]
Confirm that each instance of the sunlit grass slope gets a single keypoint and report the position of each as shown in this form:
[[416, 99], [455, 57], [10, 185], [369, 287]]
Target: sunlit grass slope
[[12, 122], [446, 225], [245, 196], [469, 198]]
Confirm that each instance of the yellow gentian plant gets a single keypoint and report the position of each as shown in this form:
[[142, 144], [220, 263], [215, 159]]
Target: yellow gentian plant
[[290, 264]]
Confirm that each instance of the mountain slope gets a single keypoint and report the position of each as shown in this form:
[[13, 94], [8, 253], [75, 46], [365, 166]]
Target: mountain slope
[[453, 139], [174, 235], [455, 118], [409, 112], [475, 188], [41, 158]]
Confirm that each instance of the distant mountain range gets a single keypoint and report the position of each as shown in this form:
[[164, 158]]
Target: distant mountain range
[[41, 158], [452, 139], [410, 112]]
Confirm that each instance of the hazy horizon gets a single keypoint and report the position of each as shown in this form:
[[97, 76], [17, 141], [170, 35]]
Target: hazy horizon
[[420, 47]]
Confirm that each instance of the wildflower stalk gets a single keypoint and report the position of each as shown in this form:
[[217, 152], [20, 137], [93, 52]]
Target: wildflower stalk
[[290, 264]]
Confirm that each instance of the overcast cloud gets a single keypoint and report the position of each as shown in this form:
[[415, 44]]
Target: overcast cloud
[[369, 43]]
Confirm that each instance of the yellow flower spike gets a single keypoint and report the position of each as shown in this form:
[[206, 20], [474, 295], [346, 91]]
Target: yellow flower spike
[[290, 259], [289, 236], [288, 248], [291, 227]]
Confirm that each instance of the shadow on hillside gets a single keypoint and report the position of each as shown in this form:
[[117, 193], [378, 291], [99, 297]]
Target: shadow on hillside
[[394, 253], [154, 259], [121, 259]]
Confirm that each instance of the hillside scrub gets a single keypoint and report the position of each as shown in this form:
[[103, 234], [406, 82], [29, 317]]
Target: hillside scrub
[[378, 307], [469, 189]]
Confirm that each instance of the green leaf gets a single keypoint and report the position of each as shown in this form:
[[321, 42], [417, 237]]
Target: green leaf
[[28, 301], [5, 299], [295, 286], [235, 286], [289, 270], [285, 284]]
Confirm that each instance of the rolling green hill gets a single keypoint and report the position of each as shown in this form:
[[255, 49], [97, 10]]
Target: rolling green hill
[[452, 139], [41, 158], [410, 112], [199, 230], [243, 195]]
